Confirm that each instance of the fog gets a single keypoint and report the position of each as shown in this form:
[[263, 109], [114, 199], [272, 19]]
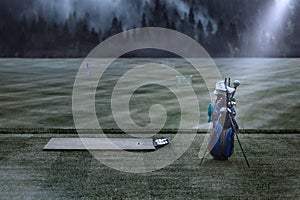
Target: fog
[[231, 28], [101, 12]]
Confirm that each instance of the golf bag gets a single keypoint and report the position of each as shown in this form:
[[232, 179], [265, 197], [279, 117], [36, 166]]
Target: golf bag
[[221, 141], [222, 113]]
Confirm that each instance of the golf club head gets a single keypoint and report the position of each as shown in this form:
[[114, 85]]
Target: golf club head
[[236, 83]]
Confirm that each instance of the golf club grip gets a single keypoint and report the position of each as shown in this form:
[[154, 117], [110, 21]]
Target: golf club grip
[[233, 93]]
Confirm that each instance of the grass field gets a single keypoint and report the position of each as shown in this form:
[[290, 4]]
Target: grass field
[[37, 93], [27, 172]]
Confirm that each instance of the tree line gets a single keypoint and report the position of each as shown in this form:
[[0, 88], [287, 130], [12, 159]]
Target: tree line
[[74, 37]]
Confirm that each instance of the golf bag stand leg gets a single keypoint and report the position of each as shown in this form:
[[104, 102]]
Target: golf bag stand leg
[[238, 139], [205, 150], [202, 158]]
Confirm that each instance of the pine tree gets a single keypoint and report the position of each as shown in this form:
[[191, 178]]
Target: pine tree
[[200, 26], [191, 16], [144, 21], [209, 27]]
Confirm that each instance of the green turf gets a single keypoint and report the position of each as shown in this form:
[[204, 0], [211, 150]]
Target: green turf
[[27, 172]]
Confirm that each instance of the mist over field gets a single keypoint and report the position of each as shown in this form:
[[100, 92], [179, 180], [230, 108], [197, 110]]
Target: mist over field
[[71, 28]]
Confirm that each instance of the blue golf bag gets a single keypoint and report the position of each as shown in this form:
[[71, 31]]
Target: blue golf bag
[[222, 143], [222, 114]]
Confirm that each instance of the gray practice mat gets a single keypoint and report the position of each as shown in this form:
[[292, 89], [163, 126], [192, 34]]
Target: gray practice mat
[[100, 144]]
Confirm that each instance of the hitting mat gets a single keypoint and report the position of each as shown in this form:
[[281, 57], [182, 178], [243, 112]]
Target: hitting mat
[[133, 144]]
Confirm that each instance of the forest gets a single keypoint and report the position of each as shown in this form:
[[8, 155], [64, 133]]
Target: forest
[[224, 30]]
